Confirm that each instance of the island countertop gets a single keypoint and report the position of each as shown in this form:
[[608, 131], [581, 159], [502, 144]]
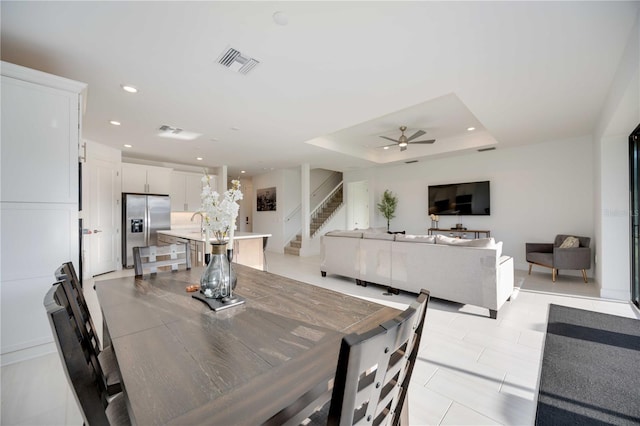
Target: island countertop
[[194, 234], [248, 247]]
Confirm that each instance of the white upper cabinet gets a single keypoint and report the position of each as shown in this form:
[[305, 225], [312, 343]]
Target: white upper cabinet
[[186, 189], [146, 179], [40, 134]]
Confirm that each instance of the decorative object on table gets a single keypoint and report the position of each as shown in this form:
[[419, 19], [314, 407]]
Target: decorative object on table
[[434, 221], [218, 279], [219, 218], [387, 206], [266, 199]]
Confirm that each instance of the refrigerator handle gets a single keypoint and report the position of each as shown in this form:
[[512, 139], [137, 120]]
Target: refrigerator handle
[[147, 222]]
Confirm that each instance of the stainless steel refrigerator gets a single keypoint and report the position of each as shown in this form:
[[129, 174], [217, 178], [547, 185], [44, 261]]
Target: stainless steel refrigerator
[[142, 216]]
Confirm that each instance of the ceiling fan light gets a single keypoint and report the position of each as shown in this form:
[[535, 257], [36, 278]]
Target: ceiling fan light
[[402, 144]]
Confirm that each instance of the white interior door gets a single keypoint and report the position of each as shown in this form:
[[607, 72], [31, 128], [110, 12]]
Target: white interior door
[[103, 218], [358, 200]]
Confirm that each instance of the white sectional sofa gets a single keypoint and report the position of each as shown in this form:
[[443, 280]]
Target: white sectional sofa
[[465, 271]]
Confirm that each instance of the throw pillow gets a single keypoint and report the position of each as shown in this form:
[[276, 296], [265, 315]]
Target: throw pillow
[[570, 242], [479, 242]]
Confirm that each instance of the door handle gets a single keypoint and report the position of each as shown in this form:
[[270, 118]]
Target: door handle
[[95, 231]]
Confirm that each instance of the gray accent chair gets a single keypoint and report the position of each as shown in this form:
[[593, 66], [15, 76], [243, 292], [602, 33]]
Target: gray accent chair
[[550, 255]]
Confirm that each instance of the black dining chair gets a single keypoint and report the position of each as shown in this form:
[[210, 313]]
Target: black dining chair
[[374, 371], [96, 407], [104, 357], [153, 257]]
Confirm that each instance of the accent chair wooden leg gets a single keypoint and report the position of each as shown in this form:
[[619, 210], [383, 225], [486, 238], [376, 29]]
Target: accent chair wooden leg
[[554, 272], [530, 265], [584, 276]]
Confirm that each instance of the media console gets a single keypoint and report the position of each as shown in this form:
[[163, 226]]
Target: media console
[[460, 232]]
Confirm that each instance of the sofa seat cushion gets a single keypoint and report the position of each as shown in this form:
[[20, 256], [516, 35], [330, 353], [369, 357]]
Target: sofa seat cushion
[[348, 234], [431, 239], [540, 258]]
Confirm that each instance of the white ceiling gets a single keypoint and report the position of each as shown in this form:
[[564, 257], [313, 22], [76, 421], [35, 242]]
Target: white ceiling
[[333, 80]]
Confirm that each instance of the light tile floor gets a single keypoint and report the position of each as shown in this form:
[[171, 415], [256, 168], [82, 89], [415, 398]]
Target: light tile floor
[[471, 370]]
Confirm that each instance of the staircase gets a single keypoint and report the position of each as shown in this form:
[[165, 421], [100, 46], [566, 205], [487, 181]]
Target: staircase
[[325, 212], [318, 218], [294, 246]]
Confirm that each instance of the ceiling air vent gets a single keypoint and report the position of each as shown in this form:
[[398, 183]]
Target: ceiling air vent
[[176, 133], [487, 149], [233, 59], [410, 161]]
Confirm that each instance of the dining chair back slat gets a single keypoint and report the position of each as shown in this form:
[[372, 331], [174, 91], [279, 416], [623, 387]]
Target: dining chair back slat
[[96, 407], [103, 359], [67, 273], [374, 370], [80, 374], [153, 257]]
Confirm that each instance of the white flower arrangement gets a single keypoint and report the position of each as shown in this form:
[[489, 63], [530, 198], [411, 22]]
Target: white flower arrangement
[[435, 218], [220, 213]]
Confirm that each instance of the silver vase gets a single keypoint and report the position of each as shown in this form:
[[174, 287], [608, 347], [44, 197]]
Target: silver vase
[[219, 278]]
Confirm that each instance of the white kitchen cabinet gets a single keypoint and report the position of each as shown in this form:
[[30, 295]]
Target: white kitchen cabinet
[[186, 189], [39, 218], [146, 179], [37, 124]]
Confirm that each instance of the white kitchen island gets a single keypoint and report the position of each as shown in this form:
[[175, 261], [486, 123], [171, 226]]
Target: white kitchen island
[[248, 247]]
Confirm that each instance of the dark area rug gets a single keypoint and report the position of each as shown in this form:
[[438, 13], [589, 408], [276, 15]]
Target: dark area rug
[[590, 369]]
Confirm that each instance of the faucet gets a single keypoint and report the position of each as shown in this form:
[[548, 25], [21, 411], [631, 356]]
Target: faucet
[[201, 220]]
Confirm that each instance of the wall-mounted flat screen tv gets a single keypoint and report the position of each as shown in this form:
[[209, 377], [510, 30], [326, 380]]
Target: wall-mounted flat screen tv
[[468, 199]]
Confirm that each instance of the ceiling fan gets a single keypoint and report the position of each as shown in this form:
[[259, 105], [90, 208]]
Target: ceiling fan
[[403, 141]]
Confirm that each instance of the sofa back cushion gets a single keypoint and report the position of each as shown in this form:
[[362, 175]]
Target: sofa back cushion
[[431, 239], [377, 236], [348, 234]]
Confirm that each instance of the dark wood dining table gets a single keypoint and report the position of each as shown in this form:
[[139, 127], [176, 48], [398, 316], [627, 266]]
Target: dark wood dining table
[[182, 363]]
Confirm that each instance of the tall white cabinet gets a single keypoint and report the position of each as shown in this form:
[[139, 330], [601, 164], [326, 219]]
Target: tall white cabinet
[[41, 119]]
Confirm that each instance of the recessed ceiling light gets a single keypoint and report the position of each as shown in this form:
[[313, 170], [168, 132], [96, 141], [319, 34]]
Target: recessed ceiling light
[[243, 171], [280, 18], [199, 158], [126, 145], [386, 147], [470, 129], [114, 122], [128, 88], [235, 128]]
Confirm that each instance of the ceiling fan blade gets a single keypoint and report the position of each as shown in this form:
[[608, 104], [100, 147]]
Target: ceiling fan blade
[[429, 141], [403, 148], [416, 135], [393, 140]]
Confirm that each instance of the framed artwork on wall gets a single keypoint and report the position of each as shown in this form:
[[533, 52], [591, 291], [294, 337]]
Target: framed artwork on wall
[[266, 199]]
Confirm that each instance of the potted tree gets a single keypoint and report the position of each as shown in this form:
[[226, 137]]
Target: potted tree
[[387, 206]]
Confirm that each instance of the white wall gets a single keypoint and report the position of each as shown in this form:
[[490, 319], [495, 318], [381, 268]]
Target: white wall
[[287, 184], [620, 116], [537, 191]]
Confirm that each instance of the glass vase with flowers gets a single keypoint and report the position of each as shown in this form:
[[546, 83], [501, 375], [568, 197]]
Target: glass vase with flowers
[[219, 214]]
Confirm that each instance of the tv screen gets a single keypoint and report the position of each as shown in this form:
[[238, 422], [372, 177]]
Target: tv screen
[[468, 199]]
